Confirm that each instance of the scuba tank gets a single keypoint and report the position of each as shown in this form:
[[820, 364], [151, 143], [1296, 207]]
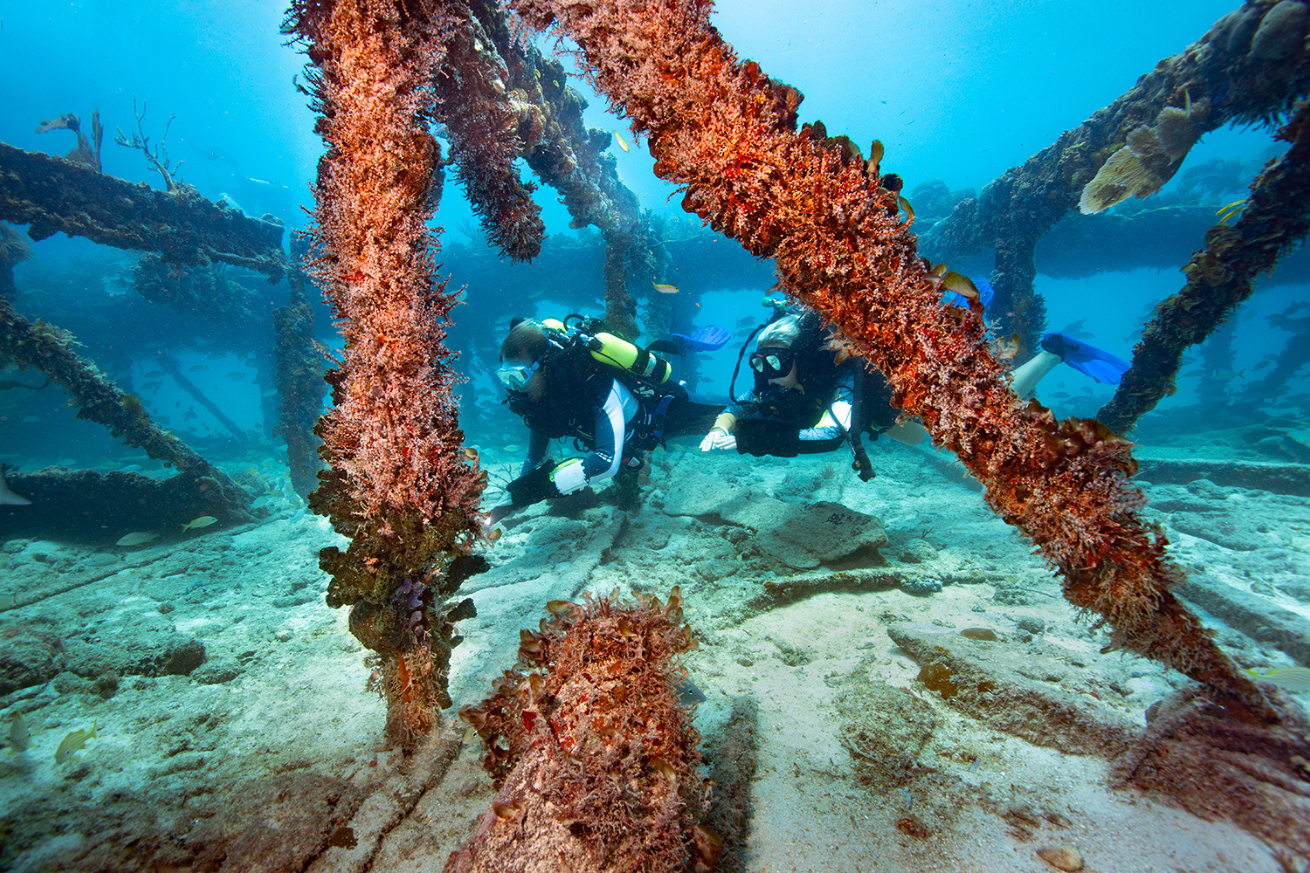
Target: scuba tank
[[608, 349]]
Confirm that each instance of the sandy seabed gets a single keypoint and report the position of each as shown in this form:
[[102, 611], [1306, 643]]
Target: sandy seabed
[[233, 729]]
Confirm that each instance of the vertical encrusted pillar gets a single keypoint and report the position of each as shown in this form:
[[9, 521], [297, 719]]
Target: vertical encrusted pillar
[[1021, 309], [299, 383], [620, 306], [726, 133], [397, 485]]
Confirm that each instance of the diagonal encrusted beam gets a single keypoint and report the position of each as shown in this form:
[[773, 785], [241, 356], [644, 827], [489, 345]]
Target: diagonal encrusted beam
[[49, 349], [725, 132], [52, 194]]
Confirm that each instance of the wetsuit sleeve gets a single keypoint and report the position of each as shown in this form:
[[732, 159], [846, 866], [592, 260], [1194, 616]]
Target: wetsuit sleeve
[[538, 443]]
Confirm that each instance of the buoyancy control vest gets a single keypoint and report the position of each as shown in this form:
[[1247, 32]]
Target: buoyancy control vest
[[577, 371]]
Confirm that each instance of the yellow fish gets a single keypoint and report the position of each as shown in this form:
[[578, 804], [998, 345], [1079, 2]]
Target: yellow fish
[[19, 736], [74, 741], [202, 521], [960, 284], [664, 289], [623, 145], [1290, 678]]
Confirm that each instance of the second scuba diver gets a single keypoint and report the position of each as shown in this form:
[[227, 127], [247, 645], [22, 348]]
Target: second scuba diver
[[612, 397], [809, 395]]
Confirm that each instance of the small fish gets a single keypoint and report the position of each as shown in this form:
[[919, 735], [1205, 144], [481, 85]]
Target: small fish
[[1226, 375], [189, 414], [154, 374], [511, 448], [960, 284], [131, 468], [74, 741], [688, 693], [151, 386], [1289, 678], [136, 538], [237, 377], [906, 208], [664, 289], [1262, 365], [202, 521], [198, 368], [1006, 349], [623, 145], [19, 736], [29, 419], [8, 384], [1229, 210], [9, 498]]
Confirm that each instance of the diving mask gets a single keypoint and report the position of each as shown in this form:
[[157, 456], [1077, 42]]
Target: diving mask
[[772, 364], [515, 376]]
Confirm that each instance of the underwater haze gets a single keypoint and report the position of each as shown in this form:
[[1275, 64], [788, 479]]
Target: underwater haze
[[884, 676]]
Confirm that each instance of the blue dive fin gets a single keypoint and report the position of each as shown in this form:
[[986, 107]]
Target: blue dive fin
[[1085, 358], [707, 339]]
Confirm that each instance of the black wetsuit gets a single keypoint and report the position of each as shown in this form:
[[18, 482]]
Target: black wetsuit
[[611, 415], [786, 422]]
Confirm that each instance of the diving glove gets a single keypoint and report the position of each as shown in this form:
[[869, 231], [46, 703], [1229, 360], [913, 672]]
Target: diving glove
[[718, 438]]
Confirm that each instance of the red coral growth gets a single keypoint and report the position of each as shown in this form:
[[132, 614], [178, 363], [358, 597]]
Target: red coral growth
[[398, 484], [393, 431], [725, 132], [594, 755], [482, 123]]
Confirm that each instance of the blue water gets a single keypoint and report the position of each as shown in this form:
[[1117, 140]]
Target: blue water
[[956, 91]]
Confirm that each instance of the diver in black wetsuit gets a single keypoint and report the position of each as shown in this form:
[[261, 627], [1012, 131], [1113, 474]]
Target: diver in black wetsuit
[[805, 401], [612, 397]]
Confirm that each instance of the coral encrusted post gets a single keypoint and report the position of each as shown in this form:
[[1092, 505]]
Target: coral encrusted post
[[592, 753], [726, 133], [397, 482]]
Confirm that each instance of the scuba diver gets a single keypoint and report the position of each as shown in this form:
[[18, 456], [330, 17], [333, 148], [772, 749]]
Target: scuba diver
[[810, 395], [612, 397]]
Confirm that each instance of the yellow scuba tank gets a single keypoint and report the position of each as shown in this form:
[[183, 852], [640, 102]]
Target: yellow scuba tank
[[618, 352], [613, 351]]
